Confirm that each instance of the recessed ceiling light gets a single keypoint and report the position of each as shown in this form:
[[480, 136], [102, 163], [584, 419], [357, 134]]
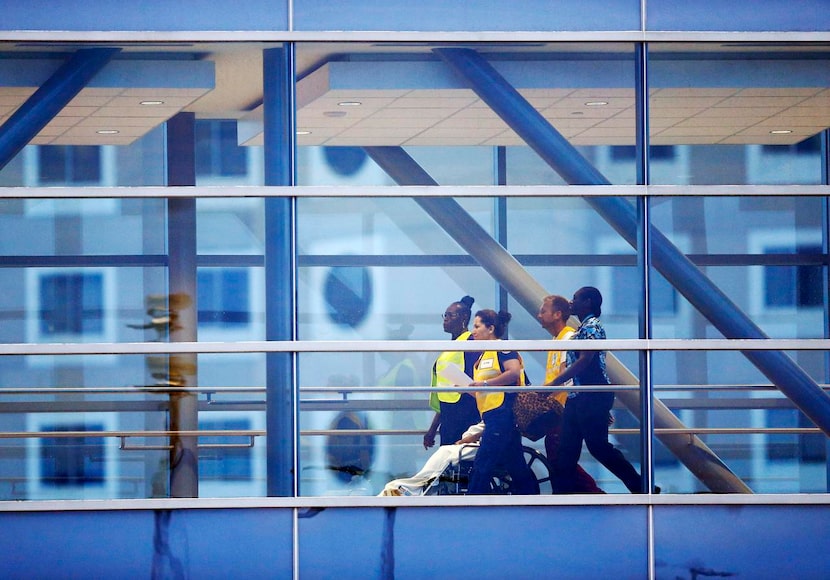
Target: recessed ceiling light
[[148, 103], [334, 114], [780, 132], [596, 103], [303, 132], [350, 103], [107, 132]]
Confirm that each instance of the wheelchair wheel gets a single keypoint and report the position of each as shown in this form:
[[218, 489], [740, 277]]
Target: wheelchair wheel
[[538, 463]]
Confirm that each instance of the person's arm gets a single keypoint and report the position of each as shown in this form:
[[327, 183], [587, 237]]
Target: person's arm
[[510, 376], [579, 366], [429, 436], [469, 438], [472, 434]]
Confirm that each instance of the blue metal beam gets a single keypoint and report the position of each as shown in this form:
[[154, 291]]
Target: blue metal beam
[[690, 281], [181, 274], [33, 115], [280, 270]]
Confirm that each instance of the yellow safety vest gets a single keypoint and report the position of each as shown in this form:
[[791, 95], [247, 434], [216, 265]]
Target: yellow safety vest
[[443, 361], [488, 368], [556, 363]]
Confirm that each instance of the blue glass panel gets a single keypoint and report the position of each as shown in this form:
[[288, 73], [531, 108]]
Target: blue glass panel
[[460, 16], [242, 543], [744, 542], [759, 15], [487, 542], [147, 15]]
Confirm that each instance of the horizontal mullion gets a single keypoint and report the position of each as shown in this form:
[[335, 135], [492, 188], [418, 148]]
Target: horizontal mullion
[[306, 346], [409, 191], [401, 36], [404, 260]]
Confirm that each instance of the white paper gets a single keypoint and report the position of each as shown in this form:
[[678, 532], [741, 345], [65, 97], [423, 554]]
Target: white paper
[[455, 376]]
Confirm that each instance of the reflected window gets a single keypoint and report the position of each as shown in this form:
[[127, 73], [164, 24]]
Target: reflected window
[[71, 303], [60, 164], [793, 286], [350, 456], [345, 161], [223, 297], [224, 463], [348, 295], [217, 150], [72, 461]]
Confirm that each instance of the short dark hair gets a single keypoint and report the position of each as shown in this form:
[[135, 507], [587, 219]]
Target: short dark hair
[[594, 296], [498, 321]]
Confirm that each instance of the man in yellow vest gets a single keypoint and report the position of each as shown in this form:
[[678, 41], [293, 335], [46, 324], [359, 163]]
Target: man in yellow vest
[[454, 412], [553, 315]]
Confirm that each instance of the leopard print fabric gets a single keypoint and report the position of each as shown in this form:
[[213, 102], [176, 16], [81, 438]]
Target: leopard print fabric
[[536, 413]]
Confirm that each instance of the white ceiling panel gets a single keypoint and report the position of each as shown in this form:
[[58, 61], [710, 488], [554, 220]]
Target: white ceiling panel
[[128, 96]]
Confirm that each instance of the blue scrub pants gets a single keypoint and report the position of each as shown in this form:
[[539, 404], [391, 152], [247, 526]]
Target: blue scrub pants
[[501, 446]]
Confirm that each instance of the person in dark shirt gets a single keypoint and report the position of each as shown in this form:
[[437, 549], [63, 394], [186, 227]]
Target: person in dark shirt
[[586, 413]]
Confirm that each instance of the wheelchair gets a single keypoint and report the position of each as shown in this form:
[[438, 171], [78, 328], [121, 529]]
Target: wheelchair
[[455, 478]]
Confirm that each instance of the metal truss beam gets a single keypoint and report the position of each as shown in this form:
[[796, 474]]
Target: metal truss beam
[[46, 102]]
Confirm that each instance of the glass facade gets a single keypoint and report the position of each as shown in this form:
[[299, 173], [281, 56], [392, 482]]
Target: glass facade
[[686, 142]]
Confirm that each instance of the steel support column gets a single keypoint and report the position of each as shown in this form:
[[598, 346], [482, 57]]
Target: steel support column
[[644, 269], [280, 284], [182, 301], [507, 271], [825, 249], [46, 102], [557, 152]]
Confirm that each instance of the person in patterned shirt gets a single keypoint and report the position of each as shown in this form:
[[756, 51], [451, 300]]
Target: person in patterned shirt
[[586, 414]]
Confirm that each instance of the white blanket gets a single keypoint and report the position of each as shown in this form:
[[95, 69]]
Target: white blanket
[[419, 483]]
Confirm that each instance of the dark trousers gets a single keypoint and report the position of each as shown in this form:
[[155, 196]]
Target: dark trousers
[[583, 482], [457, 418], [586, 419], [501, 446]]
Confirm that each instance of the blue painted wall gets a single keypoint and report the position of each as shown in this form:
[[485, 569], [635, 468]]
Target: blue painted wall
[[747, 541]]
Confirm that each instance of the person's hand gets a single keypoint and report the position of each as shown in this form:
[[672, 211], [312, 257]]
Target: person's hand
[[429, 440]]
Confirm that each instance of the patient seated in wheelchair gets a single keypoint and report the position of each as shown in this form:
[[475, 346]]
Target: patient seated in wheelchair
[[428, 479]]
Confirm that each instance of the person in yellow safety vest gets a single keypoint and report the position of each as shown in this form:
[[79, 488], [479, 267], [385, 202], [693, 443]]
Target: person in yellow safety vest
[[454, 412], [501, 441], [553, 316]]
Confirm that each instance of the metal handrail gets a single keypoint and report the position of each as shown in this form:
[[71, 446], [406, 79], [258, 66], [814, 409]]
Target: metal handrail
[[340, 390], [253, 433], [163, 389], [377, 346]]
